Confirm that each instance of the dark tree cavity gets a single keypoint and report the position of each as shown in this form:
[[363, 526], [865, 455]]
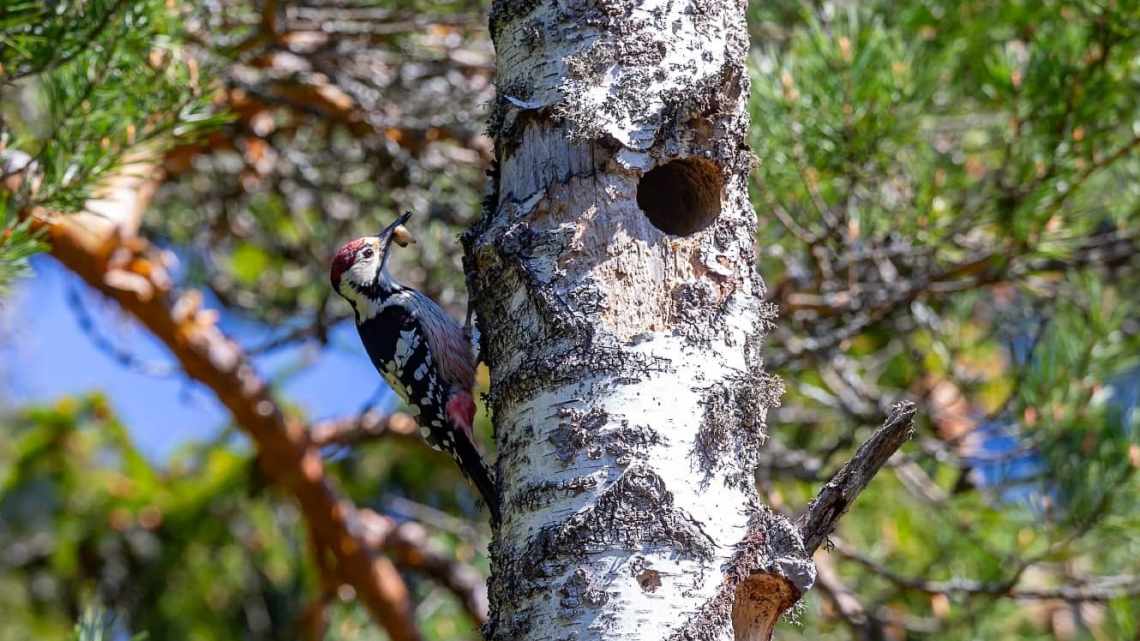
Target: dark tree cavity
[[682, 196]]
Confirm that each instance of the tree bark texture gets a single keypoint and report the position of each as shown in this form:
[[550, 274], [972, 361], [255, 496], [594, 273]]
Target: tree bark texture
[[621, 315]]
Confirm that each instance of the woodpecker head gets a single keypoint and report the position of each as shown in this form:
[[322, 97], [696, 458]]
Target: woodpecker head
[[360, 267]]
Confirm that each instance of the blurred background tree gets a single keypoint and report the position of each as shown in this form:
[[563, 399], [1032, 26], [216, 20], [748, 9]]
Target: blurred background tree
[[949, 203]]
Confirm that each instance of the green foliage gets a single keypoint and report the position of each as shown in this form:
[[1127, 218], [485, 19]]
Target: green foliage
[[948, 199], [38, 36], [120, 85], [17, 244], [179, 553], [191, 549], [84, 87]]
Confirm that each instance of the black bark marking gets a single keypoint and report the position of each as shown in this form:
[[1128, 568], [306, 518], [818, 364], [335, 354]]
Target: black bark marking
[[695, 309], [505, 11], [538, 495], [733, 429], [634, 513], [636, 510], [577, 431]]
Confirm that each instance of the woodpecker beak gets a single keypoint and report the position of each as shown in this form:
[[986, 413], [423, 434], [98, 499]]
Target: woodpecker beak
[[401, 236], [399, 222]]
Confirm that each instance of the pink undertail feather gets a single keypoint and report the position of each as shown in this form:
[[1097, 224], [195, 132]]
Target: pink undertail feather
[[461, 411]]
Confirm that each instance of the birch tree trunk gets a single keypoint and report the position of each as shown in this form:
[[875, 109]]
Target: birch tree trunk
[[622, 320]]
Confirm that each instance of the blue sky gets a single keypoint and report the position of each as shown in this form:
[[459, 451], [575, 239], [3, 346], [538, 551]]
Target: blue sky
[[44, 354]]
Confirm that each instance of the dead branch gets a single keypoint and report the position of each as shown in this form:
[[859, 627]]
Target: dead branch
[[821, 516]]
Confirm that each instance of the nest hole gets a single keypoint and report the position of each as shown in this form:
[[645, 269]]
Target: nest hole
[[681, 197]]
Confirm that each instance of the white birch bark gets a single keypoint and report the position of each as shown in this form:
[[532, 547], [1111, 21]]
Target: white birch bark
[[627, 387]]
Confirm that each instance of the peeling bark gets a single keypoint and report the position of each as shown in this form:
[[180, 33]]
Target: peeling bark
[[621, 316]]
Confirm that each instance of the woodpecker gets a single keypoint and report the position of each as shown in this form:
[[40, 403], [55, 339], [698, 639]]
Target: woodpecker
[[423, 354]]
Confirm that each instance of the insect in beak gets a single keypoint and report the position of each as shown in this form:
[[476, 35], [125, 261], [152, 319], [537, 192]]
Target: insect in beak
[[402, 237]]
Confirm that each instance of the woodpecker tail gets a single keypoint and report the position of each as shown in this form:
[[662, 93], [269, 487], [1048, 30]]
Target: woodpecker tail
[[476, 469]]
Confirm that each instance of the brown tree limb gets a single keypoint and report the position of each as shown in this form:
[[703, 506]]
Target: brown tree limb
[[101, 249], [366, 426], [313, 620], [408, 544], [821, 516]]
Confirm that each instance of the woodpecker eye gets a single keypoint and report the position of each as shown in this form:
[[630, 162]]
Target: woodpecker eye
[[367, 253]]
